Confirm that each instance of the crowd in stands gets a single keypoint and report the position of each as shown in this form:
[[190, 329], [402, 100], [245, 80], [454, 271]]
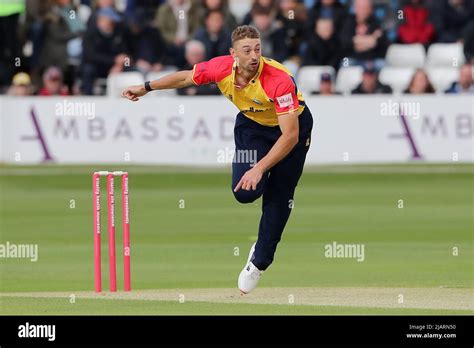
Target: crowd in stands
[[70, 47]]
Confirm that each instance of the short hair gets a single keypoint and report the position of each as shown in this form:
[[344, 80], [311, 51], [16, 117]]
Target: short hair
[[244, 32]]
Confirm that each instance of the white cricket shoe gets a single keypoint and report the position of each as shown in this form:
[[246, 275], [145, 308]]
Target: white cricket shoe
[[250, 275]]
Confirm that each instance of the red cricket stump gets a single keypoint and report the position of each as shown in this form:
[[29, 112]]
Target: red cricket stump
[[111, 230], [126, 234], [111, 226], [96, 213]]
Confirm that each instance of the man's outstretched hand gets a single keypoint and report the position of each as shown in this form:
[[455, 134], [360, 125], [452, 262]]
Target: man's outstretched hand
[[134, 92]]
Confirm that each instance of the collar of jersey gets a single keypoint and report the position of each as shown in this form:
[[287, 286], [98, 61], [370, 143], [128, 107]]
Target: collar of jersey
[[253, 80]]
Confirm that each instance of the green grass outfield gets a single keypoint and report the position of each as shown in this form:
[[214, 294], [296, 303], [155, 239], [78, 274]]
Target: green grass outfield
[[195, 247]]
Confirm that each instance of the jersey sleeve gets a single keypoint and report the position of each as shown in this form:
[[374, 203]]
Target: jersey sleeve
[[285, 96], [209, 71]]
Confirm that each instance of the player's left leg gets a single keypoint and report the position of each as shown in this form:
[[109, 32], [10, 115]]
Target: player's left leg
[[278, 199], [276, 206]]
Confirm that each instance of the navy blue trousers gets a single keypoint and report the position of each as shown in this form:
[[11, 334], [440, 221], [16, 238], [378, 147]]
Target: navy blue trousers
[[277, 185]]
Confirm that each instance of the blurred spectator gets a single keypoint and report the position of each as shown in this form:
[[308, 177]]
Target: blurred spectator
[[70, 13], [420, 83], [436, 9], [21, 85], [333, 9], [97, 5], [223, 6], [195, 52], [465, 84], [416, 28], [147, 7], [362, 38], [104, 49], [36, 12], [468, 38], [55, 29], [456, 15], [147, 46], [178, 20], [292, 18], [370, 82], [215, 37], [76, 24], [326, 86], [388, 14], [53, 83], [10, 11], [271, 5], [323, 47], [59, 28], [272, 35]]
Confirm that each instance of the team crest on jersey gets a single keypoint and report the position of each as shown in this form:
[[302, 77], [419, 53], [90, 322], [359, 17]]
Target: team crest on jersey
[[285, 100]]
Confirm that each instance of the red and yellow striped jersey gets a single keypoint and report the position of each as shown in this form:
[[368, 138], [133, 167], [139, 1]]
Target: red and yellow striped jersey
[[270, 93]]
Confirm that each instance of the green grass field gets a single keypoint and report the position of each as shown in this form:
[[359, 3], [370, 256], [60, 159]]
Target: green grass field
[[195, 247]]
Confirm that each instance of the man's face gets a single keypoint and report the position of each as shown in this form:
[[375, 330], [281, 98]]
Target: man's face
[[362, 9], [324, 28], [213, 4], [248, 53], [21, 90], [214, 23], [262, 22], [325, 87], [53, 84], [369, 81], [105, 25], [195, 55], [287, 5]]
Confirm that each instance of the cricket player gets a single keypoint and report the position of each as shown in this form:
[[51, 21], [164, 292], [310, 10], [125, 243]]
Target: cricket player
[[273, 122]]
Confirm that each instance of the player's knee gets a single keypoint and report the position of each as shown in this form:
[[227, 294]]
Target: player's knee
[[244, 196]]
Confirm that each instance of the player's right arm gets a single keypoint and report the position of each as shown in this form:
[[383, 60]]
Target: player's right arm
[[203, 73], [178, 79]]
